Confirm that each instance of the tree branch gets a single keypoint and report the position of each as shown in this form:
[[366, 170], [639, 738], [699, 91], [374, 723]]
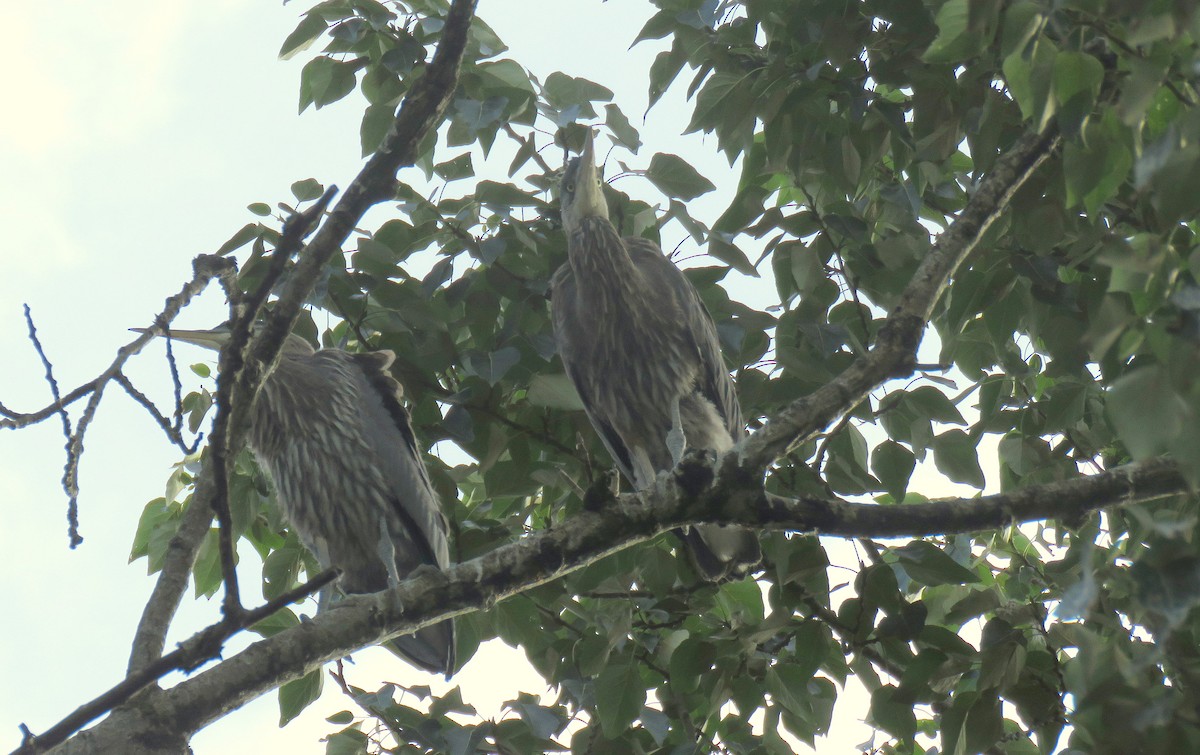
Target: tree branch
[[150, 635], [430, 596], [206, 268], [894, 353], [70, 479]]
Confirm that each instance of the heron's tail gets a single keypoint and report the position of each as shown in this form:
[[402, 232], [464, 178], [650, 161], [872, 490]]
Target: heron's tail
[[719, 551], [431, 648]]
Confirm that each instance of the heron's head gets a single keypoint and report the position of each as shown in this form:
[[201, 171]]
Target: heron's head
[[219, 336], [582, 189]]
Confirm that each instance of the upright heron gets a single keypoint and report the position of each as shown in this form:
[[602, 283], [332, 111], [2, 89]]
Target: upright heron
[[330, 431], [642, 351]]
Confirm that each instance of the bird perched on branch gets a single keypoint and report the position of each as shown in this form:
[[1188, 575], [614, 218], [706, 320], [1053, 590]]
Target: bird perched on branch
[[642, 351], [330, 431]]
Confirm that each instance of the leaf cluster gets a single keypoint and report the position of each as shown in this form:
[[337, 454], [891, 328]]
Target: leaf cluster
[[1068, 342]]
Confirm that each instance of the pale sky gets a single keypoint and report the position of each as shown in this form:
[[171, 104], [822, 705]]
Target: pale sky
[[135, 135]]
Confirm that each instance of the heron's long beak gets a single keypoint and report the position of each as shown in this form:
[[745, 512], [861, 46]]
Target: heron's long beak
[[589, 192], [210, 339]]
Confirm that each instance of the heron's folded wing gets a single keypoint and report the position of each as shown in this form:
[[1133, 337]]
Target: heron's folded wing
[[562, 301], [715, 382], [404, 467]]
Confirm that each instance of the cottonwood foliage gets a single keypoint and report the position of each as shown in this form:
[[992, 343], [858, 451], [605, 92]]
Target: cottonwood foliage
[[859, 130]]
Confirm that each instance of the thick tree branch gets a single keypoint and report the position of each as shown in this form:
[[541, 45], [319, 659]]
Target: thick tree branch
[[420, 112], [894, 353], [683, 498], [151, 634]]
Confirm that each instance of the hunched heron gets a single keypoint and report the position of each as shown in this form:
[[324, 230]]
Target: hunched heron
[[329, 429], [642, 351]]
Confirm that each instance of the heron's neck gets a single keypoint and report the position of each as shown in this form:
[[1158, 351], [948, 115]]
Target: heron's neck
[[598, 254]]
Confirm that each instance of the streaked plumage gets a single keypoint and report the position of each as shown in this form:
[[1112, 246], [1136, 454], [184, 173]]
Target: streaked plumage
[[329, 429], [636, 340]]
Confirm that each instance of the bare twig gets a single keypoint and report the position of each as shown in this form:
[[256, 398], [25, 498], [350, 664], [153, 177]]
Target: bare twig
[[70, 480], [205, 269], [177, 425], [173, 430], [15, 420]]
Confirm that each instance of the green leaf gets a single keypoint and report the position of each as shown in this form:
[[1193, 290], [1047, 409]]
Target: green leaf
[[620, 696], [893, 464], [245, 235], [277, 622], [742, 599], [929, 565], [308, 189], [892, 711], [155, 528], [298, 694], [1146, 411], [340, 718], [788, 684], [306, 32], [690, 662], [509, 73], [1171, 589], [956, 456], [953, 42], [1030, 78], [663, 70], [456, 168], [555, 392], [206, 572], [376, 121], [721, 248], [1077, 80], [563, 91], [352, 741], [1096, 164], [621, 128], [932, 403], [504, 196], [676, 178], [494, 366]]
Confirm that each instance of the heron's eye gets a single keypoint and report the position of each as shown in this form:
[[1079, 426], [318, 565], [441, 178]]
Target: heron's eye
[[570, 188]]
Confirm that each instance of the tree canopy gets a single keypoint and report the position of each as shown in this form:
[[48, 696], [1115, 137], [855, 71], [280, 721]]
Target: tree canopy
[[978, 217]]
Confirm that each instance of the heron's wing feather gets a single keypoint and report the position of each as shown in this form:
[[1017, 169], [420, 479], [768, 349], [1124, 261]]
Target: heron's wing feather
[[562, 307], [415, 499], [715, 383]]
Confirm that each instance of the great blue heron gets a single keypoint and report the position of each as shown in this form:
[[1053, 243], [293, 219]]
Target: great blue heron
[[642, 351], [330, 431]]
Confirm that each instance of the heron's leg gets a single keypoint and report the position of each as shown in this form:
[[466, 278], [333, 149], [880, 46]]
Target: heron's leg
[[387, 553], [321, 551], [676, 442]]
